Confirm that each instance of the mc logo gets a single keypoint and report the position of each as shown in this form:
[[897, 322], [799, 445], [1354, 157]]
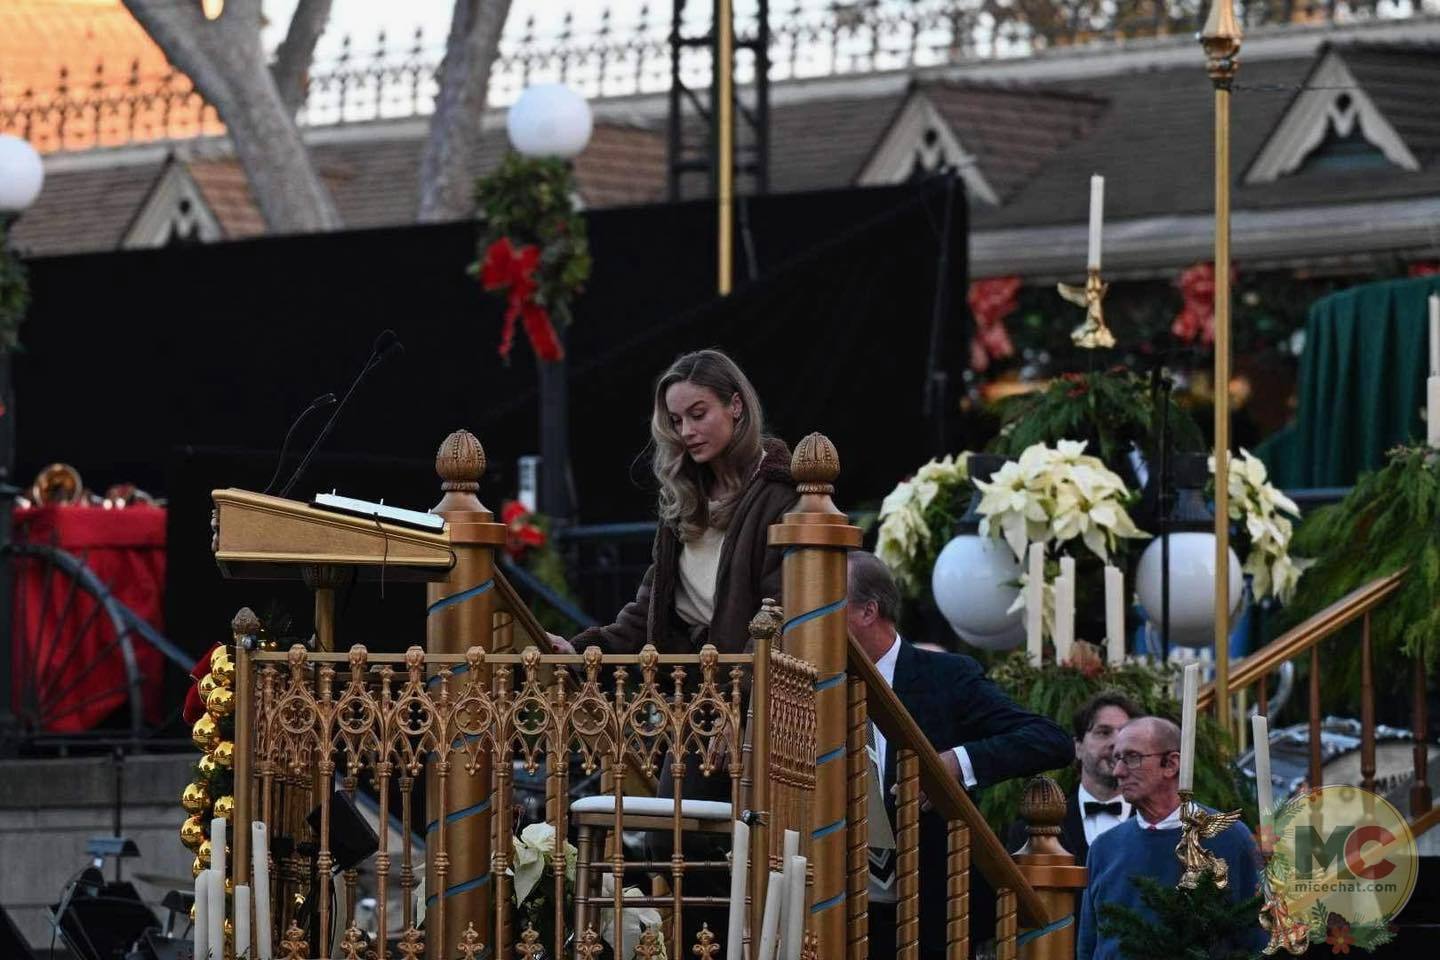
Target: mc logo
[[1348, 845]]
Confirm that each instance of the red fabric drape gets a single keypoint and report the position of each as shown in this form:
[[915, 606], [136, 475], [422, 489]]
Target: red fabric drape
[[126, 550]]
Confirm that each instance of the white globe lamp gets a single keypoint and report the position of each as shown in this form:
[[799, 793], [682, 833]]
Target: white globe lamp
[[975, 582], [21, 174], [1192, 587], [549, 120]]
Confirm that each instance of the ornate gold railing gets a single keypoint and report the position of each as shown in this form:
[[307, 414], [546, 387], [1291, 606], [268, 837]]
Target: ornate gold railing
[[1305, 638]]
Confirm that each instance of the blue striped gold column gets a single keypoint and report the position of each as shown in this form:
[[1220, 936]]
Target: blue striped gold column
[[459, 613], [816, 537]]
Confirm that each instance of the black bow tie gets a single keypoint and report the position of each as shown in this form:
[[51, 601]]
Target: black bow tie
[[1114, 808]]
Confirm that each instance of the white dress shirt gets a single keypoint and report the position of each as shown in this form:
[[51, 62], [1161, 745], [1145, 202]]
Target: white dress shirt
[[1100, 821], [886, 666], [1171, 822]]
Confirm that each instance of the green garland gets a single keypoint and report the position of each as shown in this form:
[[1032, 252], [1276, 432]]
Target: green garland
[[1390, 521], [1200, 924], [14, 295], [1058, 691]]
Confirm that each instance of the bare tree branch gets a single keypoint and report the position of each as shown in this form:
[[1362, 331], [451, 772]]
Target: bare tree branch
[[447, 164], [226, 62], [291, 68]]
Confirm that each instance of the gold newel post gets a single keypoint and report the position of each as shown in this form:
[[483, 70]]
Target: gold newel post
[[1049, 868], [1221, 40], [244, 631], [816, 537], [459, 615]]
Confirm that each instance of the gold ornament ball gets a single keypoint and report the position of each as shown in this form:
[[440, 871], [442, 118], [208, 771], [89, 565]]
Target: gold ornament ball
[[224, 753], [224, 807], [192, 833], [205, 733], [196, 868], [192, 910], [220, 702], [196, 798], [222, 668], [202, 854], [207, 766], [206, 686]]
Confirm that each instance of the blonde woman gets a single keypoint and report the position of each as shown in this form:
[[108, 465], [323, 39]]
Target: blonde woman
[[722, 484]]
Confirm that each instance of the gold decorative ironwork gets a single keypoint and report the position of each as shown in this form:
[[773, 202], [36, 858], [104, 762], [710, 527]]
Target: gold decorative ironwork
[[529, 945], [1092, 332], [470, 946], [412, 944], [705, 946], [649, 947], [810, 947], [1196, 824], [590, 945], [293, 945], [353, 944]]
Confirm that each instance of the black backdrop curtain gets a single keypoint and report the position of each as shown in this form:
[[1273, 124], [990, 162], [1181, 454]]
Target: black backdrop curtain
[[180, 368]]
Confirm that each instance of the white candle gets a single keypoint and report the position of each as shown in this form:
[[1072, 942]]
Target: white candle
[[1260, 728], [770, 924], [200, 929], [794, 906], [217, 887], [1065, 609], [260, 871], [215, 914], [1435, 335], [789, 847], [1097, 217], [1035, 605], [1114, 615], [739, 862], [1187, 726], [1432, 411], [242, 921]]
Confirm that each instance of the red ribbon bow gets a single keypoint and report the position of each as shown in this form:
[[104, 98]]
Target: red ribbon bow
[[194, 707], [506, 268], [1196, 320], [991, 301], [520, 533]]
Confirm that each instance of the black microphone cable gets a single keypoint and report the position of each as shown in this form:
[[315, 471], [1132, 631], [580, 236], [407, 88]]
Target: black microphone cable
[[320, 402]]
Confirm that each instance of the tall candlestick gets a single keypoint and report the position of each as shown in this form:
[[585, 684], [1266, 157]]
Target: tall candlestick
[[770, 922], [1114, 615], [739, 863], [1187, 726], [1065, 609], [242, 921], [1264, 794], [1435, 335], [1097, 217], [794, 906], [200, 929], [1035, 605], [260, 871]]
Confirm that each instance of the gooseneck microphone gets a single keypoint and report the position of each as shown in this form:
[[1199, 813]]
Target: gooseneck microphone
[[319, 403], [386, 346]]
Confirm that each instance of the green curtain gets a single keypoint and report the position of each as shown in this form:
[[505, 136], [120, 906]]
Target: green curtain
[[1362, 384]]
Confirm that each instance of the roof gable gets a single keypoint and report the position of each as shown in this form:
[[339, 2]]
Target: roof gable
[[1332, 108]]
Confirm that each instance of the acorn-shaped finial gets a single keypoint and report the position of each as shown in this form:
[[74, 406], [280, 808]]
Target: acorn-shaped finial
[[460, 462], [815, 465]]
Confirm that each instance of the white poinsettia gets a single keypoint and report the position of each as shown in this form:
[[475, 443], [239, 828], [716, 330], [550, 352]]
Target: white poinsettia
[[634, 921], [1057, 494], [1256, 503], [904, 532], [533, 851]]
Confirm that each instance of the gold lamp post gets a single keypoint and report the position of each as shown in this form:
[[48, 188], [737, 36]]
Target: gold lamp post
[[1221, 41]]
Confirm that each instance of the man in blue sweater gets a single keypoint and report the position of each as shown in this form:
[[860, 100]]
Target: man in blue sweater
[[1147, 765]]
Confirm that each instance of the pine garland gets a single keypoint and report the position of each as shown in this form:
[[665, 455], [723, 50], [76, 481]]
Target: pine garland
[[1199, 924], [1388, 522]]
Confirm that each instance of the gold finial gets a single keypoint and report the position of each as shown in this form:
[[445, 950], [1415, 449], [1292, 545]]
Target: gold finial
[[470, 944], [529, 946], [245, 624], [590, 945], [810, 946], [460, 462], [705, 947], [293, 945], [815, 465], [766, 623], [1042, 807], [357, 656], [352, 943], [412, 944], [649, 946], [1221, 40]]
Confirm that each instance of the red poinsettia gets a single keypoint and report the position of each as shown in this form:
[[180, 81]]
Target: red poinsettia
[[1424, 268], [520, 534], [194, 707], [513, 271], [1196, 320], [991, 301], [1339, 938]]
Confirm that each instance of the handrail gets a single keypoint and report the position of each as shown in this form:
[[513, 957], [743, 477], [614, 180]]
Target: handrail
[[524, 617], [953, 803], [1295, 641]]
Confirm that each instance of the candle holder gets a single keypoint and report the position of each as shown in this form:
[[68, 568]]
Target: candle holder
[[1092, 334], [1286, 932], [1196, 824]]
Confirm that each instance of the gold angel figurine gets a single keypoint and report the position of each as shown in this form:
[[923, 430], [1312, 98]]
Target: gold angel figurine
[[1092, 333], [1196, 824]]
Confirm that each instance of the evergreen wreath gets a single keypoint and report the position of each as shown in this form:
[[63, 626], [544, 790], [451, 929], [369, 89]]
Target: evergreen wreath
[[1199, 924], [534, 250]]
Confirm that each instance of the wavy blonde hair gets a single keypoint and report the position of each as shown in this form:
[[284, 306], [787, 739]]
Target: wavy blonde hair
[[684, 484]]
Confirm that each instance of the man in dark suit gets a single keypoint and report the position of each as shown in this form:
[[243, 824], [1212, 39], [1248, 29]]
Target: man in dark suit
[[1095, 805], [982, 737]]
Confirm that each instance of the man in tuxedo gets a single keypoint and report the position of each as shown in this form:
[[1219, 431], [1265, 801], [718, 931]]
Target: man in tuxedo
[[982, 737], [1095, 805]]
